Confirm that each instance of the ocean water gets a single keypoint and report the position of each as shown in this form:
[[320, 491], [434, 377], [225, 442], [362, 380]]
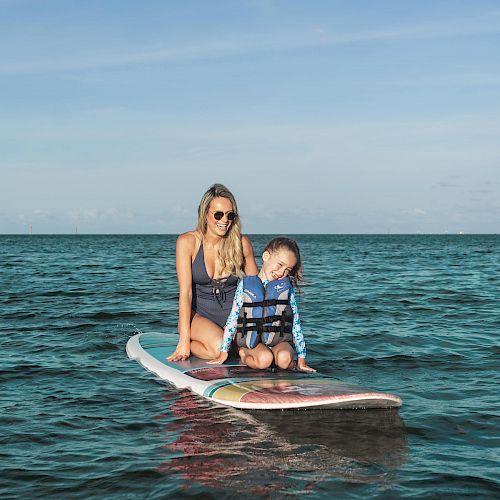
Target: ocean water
[[415, 315]]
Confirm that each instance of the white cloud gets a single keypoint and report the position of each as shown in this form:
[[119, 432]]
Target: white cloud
[[125, 58], [94, 214], [416, 211], [487, 23], [471, 78]]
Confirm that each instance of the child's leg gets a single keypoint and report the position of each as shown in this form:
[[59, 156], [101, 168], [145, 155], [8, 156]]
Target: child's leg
[[259, 357], [283, 355]]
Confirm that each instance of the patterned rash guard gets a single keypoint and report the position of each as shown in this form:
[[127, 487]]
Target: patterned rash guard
[[232, 322]]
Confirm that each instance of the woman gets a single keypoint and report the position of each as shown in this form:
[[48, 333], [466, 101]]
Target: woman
[[209, 261]]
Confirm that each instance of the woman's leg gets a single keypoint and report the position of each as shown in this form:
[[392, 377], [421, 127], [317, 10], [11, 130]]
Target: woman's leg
[[206, 337], [259, 357], [283, 355]]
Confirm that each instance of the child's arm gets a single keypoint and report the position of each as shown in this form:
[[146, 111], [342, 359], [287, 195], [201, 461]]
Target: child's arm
[[298, 336], [231, 324]]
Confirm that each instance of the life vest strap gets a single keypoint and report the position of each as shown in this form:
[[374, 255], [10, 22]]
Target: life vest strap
[[270, 328], [266, 303], [257, 322], [275, 317], [287, 328]]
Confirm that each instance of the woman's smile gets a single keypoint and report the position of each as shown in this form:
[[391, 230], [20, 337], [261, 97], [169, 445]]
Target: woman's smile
[[220, 225]]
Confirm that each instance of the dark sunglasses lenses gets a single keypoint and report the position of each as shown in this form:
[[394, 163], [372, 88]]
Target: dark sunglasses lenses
[[219, 215]]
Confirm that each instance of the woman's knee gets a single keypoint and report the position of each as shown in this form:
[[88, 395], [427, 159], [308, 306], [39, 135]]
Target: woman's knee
[[213, 349], [208, 334]]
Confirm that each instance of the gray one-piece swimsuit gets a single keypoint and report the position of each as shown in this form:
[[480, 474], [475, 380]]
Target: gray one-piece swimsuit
[[212, 299]]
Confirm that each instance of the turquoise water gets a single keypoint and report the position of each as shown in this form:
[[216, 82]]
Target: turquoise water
[[415, 315]]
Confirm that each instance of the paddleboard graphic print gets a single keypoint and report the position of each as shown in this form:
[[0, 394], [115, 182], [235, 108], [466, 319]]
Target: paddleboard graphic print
[[236, 385]]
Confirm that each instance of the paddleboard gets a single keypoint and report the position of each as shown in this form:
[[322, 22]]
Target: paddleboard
[[237, 385]]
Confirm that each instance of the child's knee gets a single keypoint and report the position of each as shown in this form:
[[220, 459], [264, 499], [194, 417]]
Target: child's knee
[[283, 359], [264, 359]]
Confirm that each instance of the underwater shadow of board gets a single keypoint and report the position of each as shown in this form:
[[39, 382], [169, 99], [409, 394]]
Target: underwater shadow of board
[[214, 438], [378, 437]]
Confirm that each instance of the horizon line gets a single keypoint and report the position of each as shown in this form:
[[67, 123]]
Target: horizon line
[[460, 233]]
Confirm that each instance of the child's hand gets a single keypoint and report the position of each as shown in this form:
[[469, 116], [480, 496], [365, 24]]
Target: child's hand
[[219, 359], [302, 365]]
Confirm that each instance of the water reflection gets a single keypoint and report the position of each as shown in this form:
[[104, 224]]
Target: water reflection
[[289, 452], [375, 437]]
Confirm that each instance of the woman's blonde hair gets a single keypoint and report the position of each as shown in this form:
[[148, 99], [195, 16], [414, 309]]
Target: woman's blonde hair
[[231, 250]]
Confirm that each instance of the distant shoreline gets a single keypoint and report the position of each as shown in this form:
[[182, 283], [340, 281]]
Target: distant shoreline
[[255, 234]]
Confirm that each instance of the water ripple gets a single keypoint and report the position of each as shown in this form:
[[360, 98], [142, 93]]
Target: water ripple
[[415, 315]]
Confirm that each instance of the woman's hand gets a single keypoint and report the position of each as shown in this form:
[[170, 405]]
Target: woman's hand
[[182, 351], [219, 359], [302, 365]]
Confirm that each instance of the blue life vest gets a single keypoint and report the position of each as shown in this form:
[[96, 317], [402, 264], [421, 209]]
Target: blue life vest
[[266, 315]]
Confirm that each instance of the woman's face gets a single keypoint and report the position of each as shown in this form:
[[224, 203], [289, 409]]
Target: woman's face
[[278, 264], [218, 206]]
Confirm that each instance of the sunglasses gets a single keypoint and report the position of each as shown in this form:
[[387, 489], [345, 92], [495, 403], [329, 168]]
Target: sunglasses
[[230, 215]]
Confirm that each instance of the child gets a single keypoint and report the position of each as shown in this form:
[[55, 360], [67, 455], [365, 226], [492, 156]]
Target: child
[[264, 314]]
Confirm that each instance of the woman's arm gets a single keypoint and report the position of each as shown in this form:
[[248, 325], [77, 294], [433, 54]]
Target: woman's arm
[[250, 265], [183, 264]]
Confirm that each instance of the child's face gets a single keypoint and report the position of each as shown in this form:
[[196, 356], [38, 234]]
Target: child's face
[[278, 264]]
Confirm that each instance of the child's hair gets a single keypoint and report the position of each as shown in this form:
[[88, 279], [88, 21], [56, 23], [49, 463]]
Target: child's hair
[[291, 245]]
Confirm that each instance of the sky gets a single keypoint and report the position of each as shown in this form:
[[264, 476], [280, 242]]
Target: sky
[[353, 116]]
